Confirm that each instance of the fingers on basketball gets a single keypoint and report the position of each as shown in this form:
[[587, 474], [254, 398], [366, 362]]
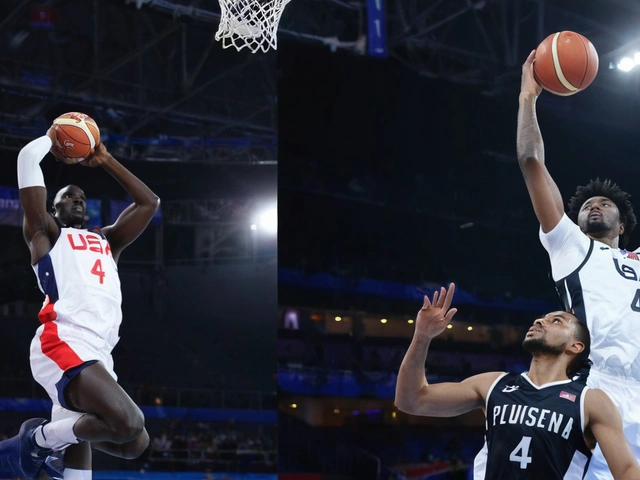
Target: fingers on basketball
[[77, 135]]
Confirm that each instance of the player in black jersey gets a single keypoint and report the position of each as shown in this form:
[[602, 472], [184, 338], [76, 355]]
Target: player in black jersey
[[540, 424]]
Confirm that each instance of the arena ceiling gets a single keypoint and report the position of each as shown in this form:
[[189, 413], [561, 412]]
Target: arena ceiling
[[145, 70], [474, 42]]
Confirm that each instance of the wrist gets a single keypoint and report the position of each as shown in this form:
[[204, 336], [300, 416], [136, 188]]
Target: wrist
[[422, 338], [107, 160], [527, 96]]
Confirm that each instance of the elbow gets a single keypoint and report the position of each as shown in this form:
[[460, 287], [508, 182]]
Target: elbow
[[154, 202], [527, 162], [404, 405], [526, 158]]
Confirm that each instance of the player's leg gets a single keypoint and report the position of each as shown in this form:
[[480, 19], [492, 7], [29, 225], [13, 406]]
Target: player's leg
[[77, 462], [132, 449], [77, 458], [111, 416]]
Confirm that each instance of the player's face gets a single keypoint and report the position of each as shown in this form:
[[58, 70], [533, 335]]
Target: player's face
[[599, 216], [70, 206], [550, 334]]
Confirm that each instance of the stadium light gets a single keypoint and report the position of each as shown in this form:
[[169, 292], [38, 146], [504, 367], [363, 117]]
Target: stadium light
[[266, 221], [628, 63]]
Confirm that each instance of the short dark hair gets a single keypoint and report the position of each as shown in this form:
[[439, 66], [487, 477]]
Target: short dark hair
[[582, 359], [606, 188]]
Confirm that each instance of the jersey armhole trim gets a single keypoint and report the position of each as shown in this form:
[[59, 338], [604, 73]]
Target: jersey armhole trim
[[495, 382], [583, 397], [53, 244], [586, 258]]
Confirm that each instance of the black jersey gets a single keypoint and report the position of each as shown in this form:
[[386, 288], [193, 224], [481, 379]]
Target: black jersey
[[533, 432]]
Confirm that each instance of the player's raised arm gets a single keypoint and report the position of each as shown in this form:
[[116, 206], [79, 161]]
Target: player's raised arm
[[413, 393], [135, 218], [604, 421], [39, 228], [544, 193]]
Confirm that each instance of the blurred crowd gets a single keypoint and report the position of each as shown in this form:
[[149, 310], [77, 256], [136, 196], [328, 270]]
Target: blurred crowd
[[203, 444]]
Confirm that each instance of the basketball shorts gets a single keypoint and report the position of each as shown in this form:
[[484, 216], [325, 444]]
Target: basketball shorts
[[625, 393], [59, 351]]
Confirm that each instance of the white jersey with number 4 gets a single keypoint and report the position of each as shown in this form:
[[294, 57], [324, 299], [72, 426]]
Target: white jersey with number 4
[[80, 279], [601, 287]]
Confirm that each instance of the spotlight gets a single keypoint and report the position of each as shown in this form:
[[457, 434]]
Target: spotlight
[[269, 220], [628, 63], [266, 220], [383, 320], [337, 319]]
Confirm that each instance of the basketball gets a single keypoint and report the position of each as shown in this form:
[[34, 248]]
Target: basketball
[[565, 63], [77, 134]]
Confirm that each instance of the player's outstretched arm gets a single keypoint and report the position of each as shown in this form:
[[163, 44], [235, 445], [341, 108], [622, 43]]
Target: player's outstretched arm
[[544, 193], [605, 423], [39, 228], [135, 218], [413, 393]]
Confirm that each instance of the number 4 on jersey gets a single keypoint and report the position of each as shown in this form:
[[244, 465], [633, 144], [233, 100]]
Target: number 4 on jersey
[[520, 454], [635, 303], [97, 270]]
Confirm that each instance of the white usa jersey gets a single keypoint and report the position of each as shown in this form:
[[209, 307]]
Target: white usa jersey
[[80, 279], [601, 287]]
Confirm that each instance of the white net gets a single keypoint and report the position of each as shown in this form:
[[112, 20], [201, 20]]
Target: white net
[[251, 24]]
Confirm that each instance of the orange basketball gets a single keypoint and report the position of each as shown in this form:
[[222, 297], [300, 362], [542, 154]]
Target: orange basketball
[[565, 63], [77, 134]]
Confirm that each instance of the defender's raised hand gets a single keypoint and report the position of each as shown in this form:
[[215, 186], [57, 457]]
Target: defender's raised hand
[[435, 314]]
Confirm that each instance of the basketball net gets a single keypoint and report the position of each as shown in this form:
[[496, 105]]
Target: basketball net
[[251, 24]]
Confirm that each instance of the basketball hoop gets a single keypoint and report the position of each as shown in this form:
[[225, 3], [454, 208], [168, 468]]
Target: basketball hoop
[[251, 24]]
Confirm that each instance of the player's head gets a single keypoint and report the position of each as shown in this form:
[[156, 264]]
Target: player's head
[[595, 216], [559, 334], [69, 206]]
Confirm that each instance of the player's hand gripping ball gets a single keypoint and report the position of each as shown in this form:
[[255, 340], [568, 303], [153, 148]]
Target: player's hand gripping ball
[[566, 63], [75, 137]]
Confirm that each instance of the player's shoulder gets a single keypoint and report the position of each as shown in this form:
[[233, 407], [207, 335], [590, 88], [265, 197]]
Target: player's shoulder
[[565, 224], [599, 408], [484, 382], [596, 399], [98, 231]]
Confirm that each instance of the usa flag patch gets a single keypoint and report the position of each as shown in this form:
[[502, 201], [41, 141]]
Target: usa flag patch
[[568, 396]]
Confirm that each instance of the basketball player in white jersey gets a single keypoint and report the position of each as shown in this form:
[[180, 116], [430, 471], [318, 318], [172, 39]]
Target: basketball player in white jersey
[[71, 351], [596, 278], [541, 425]]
